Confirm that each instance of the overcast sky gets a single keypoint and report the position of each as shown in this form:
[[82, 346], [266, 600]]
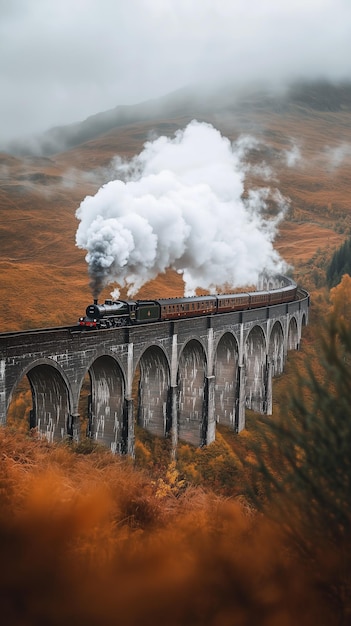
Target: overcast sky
[[63, 60]]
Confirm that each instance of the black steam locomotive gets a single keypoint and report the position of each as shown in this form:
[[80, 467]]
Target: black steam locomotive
[[113, 314]]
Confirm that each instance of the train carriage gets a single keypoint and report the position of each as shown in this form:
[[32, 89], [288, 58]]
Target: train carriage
[[228, 302], [174, 308], [284, 294], [259, 299]]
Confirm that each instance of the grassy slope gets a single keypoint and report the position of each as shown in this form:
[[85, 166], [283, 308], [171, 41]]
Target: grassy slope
[[40, 265], [195, 558]]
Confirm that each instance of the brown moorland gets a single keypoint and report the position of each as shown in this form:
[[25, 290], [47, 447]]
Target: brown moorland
[[40, 264], [88, 538]]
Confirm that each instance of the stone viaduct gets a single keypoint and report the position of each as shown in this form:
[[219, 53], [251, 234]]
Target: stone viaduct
[[175, 379]]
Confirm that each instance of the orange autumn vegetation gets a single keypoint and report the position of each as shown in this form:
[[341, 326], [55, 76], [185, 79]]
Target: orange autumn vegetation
[[88, 539], [212, 539], [340, 297]]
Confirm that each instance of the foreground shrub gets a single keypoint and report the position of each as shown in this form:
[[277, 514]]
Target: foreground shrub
[[304, 478]]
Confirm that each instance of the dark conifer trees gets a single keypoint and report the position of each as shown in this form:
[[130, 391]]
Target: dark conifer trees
[[340, 264]]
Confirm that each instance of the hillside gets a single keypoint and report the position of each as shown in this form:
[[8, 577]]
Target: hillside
[[253, 529], [304, 135]]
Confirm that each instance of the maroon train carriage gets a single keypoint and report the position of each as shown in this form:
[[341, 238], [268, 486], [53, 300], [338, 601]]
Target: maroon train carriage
[[175, 308], [227, 302], [284, 294], [259, 299]]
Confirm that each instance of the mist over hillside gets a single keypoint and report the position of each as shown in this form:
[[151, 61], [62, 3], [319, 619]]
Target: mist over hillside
[[199, 102]]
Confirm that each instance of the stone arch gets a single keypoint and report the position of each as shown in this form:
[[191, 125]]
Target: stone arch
[[198, 340], [226, 379], [276, 349], [153, 411], [107, 414], [293, 334], [192, 395], [51, 399], [139, 351], [255, 369]]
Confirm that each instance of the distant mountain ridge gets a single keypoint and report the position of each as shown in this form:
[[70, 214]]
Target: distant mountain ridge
[[189, 101]]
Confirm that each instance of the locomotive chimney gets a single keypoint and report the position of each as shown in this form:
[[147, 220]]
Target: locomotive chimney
[[95, 301]]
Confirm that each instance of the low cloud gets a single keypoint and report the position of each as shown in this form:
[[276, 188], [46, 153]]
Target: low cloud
[[338, 155], [293, 156], [61, 62]]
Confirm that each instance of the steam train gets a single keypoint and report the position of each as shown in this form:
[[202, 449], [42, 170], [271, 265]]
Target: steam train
[[113, 314]]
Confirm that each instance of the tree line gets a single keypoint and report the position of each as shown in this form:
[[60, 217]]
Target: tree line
[[340, 264]]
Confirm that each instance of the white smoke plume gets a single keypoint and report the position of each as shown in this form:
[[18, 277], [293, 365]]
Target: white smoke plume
[[181, 204]]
